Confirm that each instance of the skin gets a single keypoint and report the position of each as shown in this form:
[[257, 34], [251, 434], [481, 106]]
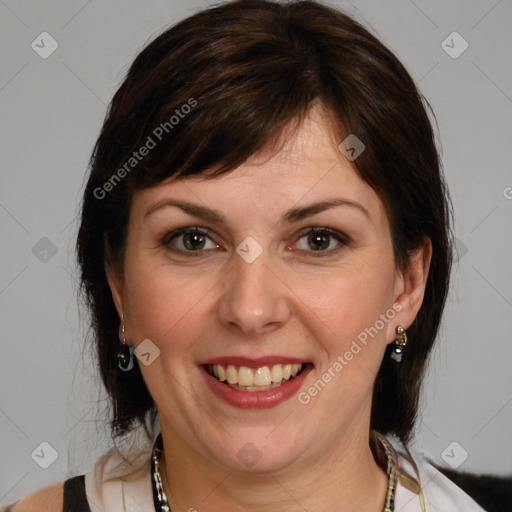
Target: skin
[[287, 302], [49, 499]]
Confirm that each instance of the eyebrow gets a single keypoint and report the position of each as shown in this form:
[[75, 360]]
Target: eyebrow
[[292, 215]]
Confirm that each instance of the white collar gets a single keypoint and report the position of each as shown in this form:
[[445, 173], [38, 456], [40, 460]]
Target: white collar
[[438, 493]]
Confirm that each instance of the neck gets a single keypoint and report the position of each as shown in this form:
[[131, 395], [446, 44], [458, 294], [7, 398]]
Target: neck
[[345, 477]]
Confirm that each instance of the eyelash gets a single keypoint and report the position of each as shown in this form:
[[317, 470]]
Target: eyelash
[[338, 236]]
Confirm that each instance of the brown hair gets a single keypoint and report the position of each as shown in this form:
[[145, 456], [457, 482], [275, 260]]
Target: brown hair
[[246, 70]]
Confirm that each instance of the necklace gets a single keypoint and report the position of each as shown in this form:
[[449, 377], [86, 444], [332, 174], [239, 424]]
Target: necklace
[[162, 505]]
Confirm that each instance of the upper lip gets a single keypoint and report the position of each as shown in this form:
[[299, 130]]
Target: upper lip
[[258, 362]]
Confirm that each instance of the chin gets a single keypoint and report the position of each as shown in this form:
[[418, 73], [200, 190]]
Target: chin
[[256, 454]]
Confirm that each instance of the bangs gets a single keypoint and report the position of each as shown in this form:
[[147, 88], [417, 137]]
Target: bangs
[[241, 93]]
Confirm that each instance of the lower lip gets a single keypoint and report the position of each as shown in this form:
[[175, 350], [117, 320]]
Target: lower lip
[[256, 399]]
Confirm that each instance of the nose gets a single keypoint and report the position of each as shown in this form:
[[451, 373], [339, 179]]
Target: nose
[[254, 300]]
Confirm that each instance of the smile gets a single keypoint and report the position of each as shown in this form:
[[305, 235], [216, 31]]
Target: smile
[[243, 378]]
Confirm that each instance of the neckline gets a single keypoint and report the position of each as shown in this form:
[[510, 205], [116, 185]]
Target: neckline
[[160, 501]]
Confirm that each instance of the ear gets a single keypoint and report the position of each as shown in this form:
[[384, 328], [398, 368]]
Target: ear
[[115, 283], [410, 289]]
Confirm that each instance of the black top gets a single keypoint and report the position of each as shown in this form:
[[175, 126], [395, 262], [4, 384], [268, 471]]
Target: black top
[[75, 498]]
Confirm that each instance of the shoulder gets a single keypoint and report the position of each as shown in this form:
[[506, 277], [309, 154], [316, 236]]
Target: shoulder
[[441, 491], [420, 485], [435, 490], [49, 499], [492, 492]]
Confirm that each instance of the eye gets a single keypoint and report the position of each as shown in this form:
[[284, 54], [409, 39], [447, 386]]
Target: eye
[[322, 240], [190, 240]]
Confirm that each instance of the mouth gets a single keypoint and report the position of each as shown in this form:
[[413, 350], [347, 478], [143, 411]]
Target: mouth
[[264, 378]]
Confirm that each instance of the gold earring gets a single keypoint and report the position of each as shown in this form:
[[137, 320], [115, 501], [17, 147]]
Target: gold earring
[[400, 343], [124, 353]]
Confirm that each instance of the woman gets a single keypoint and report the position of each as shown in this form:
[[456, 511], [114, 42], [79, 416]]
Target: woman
[[265, 230]]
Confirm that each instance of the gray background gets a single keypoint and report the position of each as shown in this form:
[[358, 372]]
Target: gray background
[[51, 112]]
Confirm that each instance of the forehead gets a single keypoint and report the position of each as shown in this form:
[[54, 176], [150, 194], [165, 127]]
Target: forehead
[[303, 166]]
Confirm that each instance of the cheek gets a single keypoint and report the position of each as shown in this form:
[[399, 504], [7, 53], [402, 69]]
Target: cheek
[[165, 305], [349, 301], [352, 337]]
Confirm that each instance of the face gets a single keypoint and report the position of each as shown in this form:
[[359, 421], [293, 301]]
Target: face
[[241, 276]]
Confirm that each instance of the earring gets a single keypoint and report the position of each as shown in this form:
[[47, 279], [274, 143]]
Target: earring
[[400, 343], [124, 353]]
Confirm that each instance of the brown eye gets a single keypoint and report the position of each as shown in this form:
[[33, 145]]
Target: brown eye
[[194, 241], [189, 240], [318, 242], [322, 241]]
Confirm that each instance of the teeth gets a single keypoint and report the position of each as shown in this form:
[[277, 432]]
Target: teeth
[[245, 376], [262, 377], [221, 372], [277, 373], [231, 374], [249, 379]]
